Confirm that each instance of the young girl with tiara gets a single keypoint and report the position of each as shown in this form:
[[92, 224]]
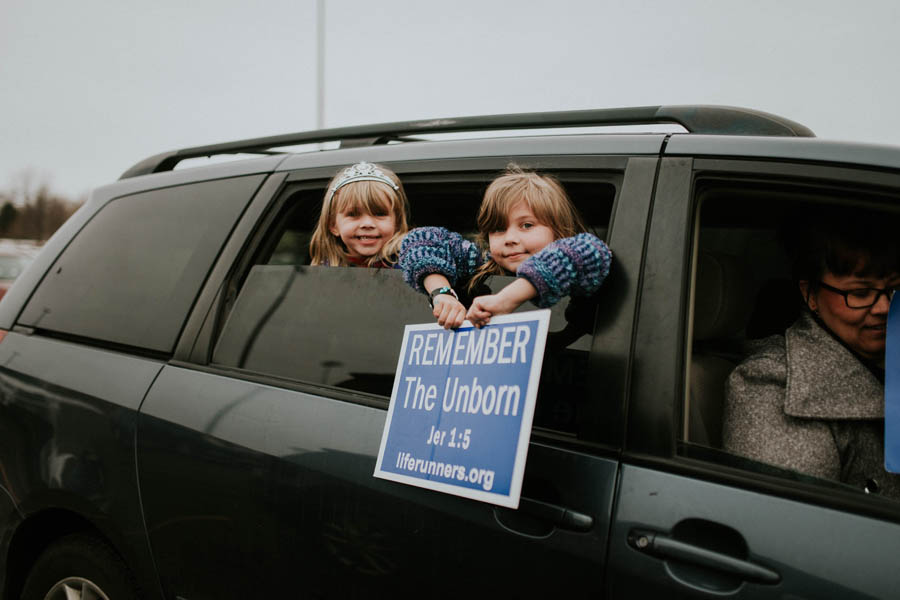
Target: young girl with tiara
[[530, 229], [363, 219]]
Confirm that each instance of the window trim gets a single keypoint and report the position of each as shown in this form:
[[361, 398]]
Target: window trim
[[194, 342]]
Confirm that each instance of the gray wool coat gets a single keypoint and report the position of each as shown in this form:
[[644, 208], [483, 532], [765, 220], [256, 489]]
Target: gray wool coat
[[805, 402]]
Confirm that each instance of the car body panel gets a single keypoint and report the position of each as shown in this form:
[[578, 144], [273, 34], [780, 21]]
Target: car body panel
[[261, 468], [790, 149], [855, 556], [67, 420]]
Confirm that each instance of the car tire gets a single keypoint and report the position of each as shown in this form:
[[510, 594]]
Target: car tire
[[79, 566]]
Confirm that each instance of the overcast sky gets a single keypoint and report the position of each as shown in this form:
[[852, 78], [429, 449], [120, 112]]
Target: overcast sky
[[88, 88]]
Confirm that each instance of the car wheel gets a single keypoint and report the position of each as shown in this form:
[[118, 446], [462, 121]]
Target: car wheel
[[79, 567]]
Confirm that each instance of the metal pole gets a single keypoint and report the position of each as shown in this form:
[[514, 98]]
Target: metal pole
[[320, 64]]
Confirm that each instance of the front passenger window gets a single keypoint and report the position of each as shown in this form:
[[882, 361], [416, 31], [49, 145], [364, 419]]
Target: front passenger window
[[773, 387]]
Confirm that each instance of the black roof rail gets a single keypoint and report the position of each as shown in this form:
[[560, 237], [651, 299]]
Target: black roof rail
[[722, 120]]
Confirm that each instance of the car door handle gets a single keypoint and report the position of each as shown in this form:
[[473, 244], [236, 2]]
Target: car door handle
[[559, 516], [662, 546]]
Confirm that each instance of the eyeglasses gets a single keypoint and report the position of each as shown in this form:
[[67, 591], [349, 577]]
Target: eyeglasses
[[861, 297]]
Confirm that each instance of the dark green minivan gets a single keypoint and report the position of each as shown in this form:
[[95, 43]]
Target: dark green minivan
[[189, 410]]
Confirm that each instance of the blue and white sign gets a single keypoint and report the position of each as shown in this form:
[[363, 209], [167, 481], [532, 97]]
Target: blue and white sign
[[462, 406], [892, 390]]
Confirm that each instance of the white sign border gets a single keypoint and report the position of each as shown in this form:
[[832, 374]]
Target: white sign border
[[542, 316]]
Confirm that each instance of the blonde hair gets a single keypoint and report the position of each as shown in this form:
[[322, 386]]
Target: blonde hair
[[368, 196], [544, 196]]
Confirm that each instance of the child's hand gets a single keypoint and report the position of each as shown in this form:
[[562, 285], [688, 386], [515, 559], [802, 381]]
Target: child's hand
[[449, 312], [484, 307], [503, 302]]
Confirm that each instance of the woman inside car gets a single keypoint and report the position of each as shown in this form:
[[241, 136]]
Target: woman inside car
[[812, 400]]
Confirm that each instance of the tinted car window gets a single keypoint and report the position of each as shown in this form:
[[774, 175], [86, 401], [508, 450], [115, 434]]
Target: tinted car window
[[323, 325], [343, 327], [132, 273]]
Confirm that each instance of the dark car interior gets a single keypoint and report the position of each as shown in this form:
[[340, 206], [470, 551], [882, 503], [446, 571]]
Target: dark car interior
[[743, 289]]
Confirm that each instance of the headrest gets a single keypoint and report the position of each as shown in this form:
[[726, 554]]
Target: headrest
[[722, 299], [778, 304]]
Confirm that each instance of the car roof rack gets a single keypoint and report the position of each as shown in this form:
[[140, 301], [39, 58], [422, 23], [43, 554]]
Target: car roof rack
[[715, 120]]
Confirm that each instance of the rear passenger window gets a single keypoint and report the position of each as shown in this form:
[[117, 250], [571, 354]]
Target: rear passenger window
[[131, 275], [343, 327]]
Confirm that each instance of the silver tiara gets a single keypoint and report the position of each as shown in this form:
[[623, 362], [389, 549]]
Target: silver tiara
[[361, 171]]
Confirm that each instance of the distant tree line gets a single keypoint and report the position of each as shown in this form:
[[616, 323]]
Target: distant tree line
[[31, 211]]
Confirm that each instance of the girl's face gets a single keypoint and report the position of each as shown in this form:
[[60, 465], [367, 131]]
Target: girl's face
[[862, 329], [362, 232], [524, 235]]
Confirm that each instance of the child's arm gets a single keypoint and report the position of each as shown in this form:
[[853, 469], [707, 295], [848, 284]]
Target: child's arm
[[427, 250], [573, 266], [432, 258]]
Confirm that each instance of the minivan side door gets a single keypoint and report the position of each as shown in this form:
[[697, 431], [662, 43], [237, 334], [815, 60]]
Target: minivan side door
[[255, 481]]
